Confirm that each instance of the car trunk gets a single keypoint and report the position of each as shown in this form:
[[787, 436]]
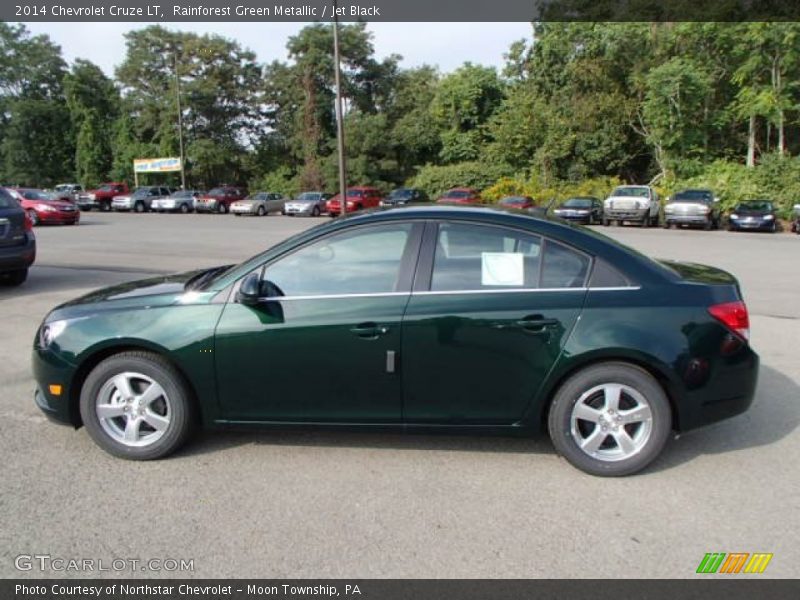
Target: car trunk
[[12, 227], [724, 284]]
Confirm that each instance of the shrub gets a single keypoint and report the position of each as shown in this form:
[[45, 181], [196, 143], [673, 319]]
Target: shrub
[[281, 180], [435, 180]]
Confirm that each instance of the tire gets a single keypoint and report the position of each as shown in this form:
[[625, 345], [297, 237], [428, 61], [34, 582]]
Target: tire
[[222, 209], [606, 222], [645, 222], [138, 207], [105, 207], [33, 217], [184, 209], [260, 212], [591, 388], [14, 278], [172, 409], [774, 227], [315, 211]]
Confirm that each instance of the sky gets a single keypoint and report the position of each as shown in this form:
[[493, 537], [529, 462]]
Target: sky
[[446, 45]]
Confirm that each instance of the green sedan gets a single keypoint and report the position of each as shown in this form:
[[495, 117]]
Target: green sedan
[[420, 318]]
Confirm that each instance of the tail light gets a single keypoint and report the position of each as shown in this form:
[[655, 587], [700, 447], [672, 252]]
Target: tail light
[[28, 223], [734, 316]]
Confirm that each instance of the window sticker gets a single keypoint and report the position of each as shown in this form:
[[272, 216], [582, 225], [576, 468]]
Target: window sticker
[[502, 268]]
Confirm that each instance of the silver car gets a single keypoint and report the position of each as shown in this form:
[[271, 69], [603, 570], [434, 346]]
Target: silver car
[[259, 204], [141, 200], [181, 201], [308, 204]]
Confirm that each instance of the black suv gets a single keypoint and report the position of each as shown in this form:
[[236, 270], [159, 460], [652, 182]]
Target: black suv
[[17, 242]]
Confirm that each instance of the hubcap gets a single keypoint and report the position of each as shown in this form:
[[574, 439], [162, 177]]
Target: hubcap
[[611, 422], [133, 409]]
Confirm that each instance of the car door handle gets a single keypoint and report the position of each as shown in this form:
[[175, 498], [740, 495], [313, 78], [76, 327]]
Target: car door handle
[[532, 324], [369, 330]]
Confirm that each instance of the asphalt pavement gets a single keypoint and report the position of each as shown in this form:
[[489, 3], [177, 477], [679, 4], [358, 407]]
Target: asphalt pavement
[[363, 505]]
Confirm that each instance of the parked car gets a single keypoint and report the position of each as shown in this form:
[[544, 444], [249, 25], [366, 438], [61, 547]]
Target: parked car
[[460, 196], [259, 204], [583, 209], [101, 197], [423, 317], [753, 215], [178, 201], [403, 196], [358, 198], [307, 204], [219, 199], [141, 200], [518, 202], [43, 209], [68, 192], [796, 218], [17, 241], [692, 207], [632, 203]]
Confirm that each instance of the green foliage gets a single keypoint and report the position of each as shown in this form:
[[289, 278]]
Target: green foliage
[[281, 180], [534, 187], [436, 179]]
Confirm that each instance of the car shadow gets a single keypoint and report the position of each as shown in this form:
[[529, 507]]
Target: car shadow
[[774, 415]]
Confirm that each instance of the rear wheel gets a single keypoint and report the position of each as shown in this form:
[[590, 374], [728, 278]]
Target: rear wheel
[[135, 405], [33, 216], [610, 419], [315, 211], [222, 209], [138, 207], [105, 206], [184, 208], [260, 212], [14, 278]]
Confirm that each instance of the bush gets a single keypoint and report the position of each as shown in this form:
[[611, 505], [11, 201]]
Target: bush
[[281, 180], [435, 180], [557, 191]]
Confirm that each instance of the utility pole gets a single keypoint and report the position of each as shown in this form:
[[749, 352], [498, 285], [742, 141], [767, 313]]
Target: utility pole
[[339, 113], [180, 120]]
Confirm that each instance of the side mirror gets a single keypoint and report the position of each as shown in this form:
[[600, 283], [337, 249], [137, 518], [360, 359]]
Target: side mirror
[[249, 289]]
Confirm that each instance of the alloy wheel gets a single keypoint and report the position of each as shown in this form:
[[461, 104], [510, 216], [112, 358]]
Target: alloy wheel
[[133, 409]]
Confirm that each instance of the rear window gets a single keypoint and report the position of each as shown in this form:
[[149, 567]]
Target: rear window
[[693, 196]]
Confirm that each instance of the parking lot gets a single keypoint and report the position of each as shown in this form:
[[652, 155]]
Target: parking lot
[[325, 504]]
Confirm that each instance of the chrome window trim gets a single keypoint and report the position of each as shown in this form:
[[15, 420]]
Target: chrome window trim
[[447, 293]]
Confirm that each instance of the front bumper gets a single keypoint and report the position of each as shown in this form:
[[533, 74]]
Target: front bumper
[[578, 218], [208, 206], [51, 370], [21, 256], [59, 218], [626, 214], [752, 225], [680, 219], [169, 206], [121, 204], [299, 209], [243, 210]]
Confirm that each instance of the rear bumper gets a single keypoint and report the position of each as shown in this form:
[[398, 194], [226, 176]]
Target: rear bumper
[[13, 258]]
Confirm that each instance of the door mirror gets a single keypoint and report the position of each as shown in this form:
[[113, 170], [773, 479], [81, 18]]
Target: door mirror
[[249, 289]]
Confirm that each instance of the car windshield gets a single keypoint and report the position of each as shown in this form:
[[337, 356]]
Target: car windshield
[[457, 194], [217, 192], [578, 203], [755, 205], [512, 200], [309, 196], [63, 188], [181, 194], [693, 196], [354, 193], [257, 196], [401, 194], [141, 192], [37, 195], [107, 188], [636, 192]]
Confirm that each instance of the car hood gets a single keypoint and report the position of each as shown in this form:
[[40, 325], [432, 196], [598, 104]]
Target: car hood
[[57, 204], [163, 290], [752, 213], [304, 201]]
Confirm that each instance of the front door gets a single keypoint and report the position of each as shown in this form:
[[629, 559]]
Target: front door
[[484, 328], [321, 344]]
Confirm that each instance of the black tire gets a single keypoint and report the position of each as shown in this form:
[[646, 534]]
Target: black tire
[[14, 278], [222, 209], [138, 207], [634, 377], [33, 217], [708, 225], [774, 227], [184, 209], [105, 207], [181, 405], [261, 212], [315, 211]]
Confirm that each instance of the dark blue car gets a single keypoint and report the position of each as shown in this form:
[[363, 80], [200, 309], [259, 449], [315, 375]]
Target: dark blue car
[[17, 241], [753, 215]]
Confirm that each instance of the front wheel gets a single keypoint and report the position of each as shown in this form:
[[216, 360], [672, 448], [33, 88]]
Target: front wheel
[[184, 208], [315, 211], [135, 405], [260, 212], [138, 207], [14, 278], [33, 216], [610, 419], [222, 209]]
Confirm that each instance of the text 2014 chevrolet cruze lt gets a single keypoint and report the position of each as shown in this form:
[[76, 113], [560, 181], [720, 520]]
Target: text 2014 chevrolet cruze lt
[[426, 318]]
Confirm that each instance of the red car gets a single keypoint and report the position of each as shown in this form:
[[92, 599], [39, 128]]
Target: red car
[[358, 198], [519, 202], [460, 196], [42, 207], [219, 199]]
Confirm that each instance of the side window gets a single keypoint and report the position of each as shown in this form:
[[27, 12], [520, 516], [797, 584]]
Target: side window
[[563, 267], [604, 275], [361, 261], [479, 257]]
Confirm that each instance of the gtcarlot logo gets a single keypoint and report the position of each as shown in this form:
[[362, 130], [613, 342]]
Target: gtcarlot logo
[[61, 564]]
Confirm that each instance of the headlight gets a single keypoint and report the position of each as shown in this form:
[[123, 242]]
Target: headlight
[[734, 216], [47, 208], [50, 331], [92, 196], [768, 217]]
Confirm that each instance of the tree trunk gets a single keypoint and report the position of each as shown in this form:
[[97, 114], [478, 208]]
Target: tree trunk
[[751, 142]]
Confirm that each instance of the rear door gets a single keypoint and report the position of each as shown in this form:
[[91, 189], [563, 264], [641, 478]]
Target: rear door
[[12, 221], [491, 309]]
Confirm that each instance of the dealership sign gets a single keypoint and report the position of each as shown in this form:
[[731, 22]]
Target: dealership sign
[[156, 165]]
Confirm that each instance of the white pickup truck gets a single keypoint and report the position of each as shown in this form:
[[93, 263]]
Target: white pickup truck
[[632, 203]]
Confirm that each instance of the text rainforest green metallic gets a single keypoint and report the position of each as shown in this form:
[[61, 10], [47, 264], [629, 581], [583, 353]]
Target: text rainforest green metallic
[[425, 318]]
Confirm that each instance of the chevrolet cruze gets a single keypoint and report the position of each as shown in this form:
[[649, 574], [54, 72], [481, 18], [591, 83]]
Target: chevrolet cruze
[[424, 318]]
